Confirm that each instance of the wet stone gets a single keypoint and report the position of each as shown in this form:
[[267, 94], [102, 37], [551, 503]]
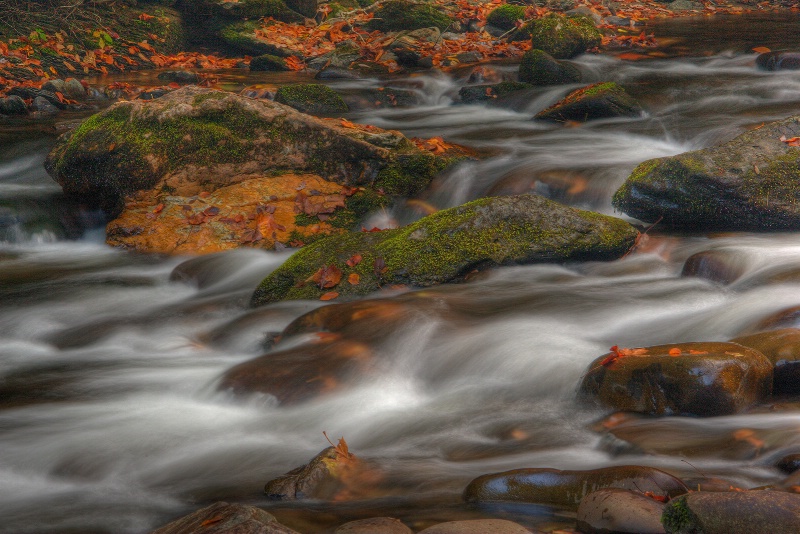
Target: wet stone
[[781, 60], [374, 525], [620, 511], [477, 526], [596, 101], [224, 518], [782, 348], [13, 105], [789, 463], [700, 379], [182, 77], [715, 265]]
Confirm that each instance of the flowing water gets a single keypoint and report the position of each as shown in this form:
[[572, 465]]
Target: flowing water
[[110, 420]]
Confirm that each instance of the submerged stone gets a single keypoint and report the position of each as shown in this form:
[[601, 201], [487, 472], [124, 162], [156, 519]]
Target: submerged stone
[[701, 379], [446, 246], [568, 488], [751, 182]]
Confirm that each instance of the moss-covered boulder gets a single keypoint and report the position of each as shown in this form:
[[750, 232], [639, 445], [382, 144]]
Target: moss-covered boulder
[[561, 36], [568, 488], [740, 512], [399, 15], [201, 156], [751, 182], [241, 36], [540, 68], [225, 518], [268, 63], [701, 379], [449, 244], [506, 16], [314, 98], [782, 348], [596, 101]]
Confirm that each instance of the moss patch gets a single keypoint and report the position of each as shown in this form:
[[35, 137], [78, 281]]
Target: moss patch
[[677, 517], [311, 98], [563, 37], [398, 15], [506, 16]]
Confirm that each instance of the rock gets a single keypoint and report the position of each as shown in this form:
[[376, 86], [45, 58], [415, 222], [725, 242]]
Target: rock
[[224, 518], [700, 379], [268, 63], [748, 183], [74, 89], [374, 525], [55, 86], [312, 98], [307, 8], [506, 16], [322, 478], [399, 15], [302, 373], [568, 488], [13, 105], [43, 105], [685, 5], [596, 101], [782, 348], [188, 154], [789, 463], [585, 11], [744, 512], [716, 265], [620, 511], [477, 526], [563, 37], [783, 60], [341, 57], [540, 68], [489, 93], [336, 73], [379, 98], [451, 243], [183, 77], [241, 36]]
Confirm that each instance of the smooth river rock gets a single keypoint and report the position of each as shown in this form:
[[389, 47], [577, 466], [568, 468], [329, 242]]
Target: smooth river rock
[[782, 348], [619, 511], [477, 526], [596, 101], [224, 518], [568, 488], [700, 379]]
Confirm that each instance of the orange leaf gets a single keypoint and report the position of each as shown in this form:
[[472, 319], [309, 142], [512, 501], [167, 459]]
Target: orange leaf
[[347, 124], [632, 56], [330, 295], [292, 63], [674, 351], [327, 277], [215, 519], [792, 141], [354, 279], [354, 260], [761, 50], [159, 208]]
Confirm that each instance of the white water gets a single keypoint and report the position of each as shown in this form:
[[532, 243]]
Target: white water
[[110, 420]]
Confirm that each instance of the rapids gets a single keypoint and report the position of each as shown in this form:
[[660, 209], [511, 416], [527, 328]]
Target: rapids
[[109, 417]]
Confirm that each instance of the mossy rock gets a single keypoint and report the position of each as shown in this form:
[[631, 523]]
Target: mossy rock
[[399, 15], [250, 9], [568, 488], [312, 98], [696, 379], [540, 68], [268, 63], [596, 101], [563, 37], [240, 37], [506, 16], [782, 348], [488, 93], [449, 244], [751, 182], [740, 512]]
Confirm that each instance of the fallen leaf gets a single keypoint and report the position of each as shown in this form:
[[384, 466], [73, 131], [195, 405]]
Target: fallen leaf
[[674, 351], [354, 279], [330, 295], [216, 518], [327, 277], [354, 260], [761, 50]]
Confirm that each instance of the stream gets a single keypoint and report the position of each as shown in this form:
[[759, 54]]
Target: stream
[[110, 420]]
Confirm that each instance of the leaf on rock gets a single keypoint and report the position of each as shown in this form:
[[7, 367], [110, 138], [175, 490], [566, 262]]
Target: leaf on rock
[[327, 277], [354, 260], [330, 295], [354, 279]]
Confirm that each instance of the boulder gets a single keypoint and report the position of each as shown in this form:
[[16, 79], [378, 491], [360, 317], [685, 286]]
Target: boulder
[[242, 36], [783, 60], [563, 37], [540, 68], [321, 478], [722, 266], [748, 183], [568, 488], [741, 512], [789, 463], [782, 348], [311, 98], [224, 518], [183, 77], [399, 15], [620, 511], [505, 16], [374, 525], [596, 101], [74, 89], [255, 166], [700, 379], [268, 63], [447, 245], [13, 105], [477, 526]]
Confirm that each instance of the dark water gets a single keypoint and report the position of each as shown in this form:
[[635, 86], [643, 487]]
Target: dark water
[[109, 416]]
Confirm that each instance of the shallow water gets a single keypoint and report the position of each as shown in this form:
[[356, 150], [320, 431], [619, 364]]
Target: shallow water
[[109, 415]]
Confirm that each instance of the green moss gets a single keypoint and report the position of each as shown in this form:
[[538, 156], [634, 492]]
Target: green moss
[[777, 184], [506, 16], [677, 517], [398, 15], [409, 174], [563, 37], [311, 98]]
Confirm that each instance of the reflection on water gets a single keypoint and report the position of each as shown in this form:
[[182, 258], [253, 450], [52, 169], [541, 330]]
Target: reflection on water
[[110, 416]]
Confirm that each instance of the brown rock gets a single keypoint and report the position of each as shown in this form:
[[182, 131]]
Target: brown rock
[[620, 511], [224, 518], [782, 348], [715, 265], [477, 526], [704, 379], [374, 525]]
